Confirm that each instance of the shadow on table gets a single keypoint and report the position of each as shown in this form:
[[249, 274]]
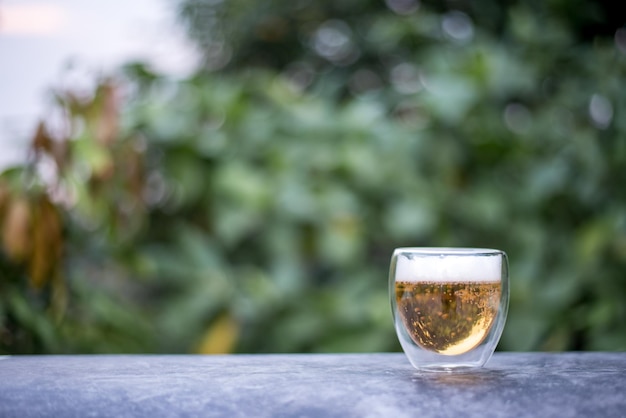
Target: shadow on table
[[465, 379]]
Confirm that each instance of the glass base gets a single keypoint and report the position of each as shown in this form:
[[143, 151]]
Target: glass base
[[448, 368]]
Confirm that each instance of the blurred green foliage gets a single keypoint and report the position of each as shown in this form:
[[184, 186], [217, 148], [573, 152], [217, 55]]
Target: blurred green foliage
[[254, 207]]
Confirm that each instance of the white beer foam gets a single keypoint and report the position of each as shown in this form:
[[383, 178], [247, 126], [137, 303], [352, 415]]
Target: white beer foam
[[448, 268]]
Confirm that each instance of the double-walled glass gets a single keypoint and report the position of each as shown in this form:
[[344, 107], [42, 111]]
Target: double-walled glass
[[449, 305]]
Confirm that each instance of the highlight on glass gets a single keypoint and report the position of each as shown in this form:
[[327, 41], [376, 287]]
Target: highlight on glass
[[449, 305]]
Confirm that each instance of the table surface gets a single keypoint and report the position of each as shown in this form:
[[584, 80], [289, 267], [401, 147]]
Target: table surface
[[310, 385]]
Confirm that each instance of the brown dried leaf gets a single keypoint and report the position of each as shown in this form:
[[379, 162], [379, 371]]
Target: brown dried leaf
[[39, 263], [42, 142], [47, 243], [16, 229]]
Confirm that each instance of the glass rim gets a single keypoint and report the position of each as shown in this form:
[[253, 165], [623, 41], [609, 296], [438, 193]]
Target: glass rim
[[459, 251]]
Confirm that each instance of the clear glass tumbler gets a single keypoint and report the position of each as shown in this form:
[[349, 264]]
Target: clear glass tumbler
[[449, 305]]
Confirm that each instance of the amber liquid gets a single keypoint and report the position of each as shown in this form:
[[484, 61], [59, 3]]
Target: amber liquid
[[448, 318]]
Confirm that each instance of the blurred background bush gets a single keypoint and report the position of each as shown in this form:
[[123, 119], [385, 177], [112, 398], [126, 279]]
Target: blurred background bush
[[254, 206]]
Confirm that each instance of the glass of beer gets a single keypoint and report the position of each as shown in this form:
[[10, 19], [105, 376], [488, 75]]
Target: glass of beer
[[449, 305]]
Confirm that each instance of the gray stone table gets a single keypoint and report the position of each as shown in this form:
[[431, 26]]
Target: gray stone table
[[310, 385]]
